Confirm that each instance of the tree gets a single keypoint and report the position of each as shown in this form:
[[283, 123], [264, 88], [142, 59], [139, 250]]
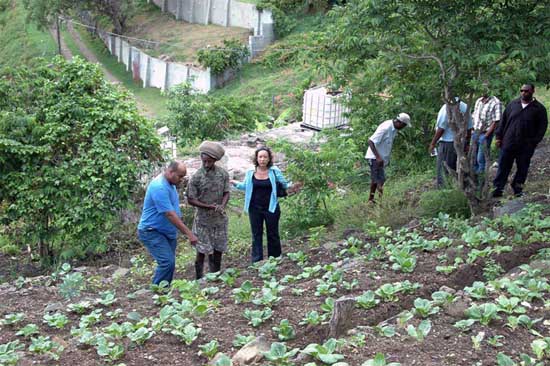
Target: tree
[[453, 47], [73, 148], [118, 11]]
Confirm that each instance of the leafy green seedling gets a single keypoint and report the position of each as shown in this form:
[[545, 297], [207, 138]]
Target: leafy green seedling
[[484, 313], [312, 318], [285, 331], [56, 320], [108, 298], [443, 298], [209, 349], [72, 285], [385, 330], [12, 319], [325, 352], [349, 286], [8, 353], [328, 305], [109, 350], [465, 324], [419, 333], [245, 293], [403, 260], [268, 298], [279, 355], [299, 257], [81, 307], [510, 305], [141, 335], [424, 308], [495, 341], [93, 318], [240, 340], [477, 339], [257, 317], [379, 360], [44, 346], [28, 330], [229, 276], [367, 300]]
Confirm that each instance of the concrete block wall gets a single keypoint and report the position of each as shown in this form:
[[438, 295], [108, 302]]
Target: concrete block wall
[[156, 73], [227, 13]]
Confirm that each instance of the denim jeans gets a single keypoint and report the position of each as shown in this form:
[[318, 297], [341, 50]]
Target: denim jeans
[[482, 144], [257, 217], [163, 250]]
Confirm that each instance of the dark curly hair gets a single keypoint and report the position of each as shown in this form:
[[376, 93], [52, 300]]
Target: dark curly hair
[[269, 153]]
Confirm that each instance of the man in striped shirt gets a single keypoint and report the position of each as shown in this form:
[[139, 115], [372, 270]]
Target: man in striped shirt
[[486, 116]]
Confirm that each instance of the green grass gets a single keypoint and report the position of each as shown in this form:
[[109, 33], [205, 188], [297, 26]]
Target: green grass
[[22, 43], [151, 100]]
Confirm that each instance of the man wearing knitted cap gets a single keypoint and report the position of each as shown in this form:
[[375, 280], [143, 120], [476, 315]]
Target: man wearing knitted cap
[[208, 191], [378, 154]]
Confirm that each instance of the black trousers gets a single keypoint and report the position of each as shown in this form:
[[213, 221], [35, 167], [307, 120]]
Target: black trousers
[[257, 218], [522, 157]]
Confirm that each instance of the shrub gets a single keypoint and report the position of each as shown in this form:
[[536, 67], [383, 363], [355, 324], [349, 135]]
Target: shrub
[[195, 116], [72, 150], [228, 56], [449, 201]]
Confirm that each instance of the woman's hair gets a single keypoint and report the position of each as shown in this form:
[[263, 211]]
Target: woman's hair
[[269, 153]]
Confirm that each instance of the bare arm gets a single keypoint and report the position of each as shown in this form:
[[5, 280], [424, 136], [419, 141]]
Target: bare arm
[[174, 219], [195, 202], [436, 138], [491, 129], [379, 159]]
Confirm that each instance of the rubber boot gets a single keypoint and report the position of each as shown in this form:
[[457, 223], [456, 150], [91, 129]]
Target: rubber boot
[[199, 269]]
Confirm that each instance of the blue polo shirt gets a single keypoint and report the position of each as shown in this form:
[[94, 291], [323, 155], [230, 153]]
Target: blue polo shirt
[[161, 197], [443, 122]]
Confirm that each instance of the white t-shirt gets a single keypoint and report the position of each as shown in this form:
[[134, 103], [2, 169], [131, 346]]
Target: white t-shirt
[[383, 140]]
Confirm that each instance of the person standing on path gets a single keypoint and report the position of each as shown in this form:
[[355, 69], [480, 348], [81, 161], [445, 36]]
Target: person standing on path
[[161, 220], [261, 204], [486, 116], [378, 153], [208, 191], [444, 138], [524, 123]]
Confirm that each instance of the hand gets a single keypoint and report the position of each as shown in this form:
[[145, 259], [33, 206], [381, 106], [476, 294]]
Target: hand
[[219, 208], [431, 148], [498, 143], [193, 240], [233, 182]]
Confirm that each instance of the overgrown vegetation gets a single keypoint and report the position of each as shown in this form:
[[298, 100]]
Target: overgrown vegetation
[[73, 149], [228, 56]]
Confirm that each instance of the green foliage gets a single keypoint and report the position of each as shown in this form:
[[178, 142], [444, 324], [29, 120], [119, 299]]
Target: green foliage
[[56, 320], [319, 170], [379, 360], [73, 148], [257, 317], [195, 117], [228, 56], [325, 352], [449, 201], [8, 353], [285, 331], [279, 355], [419, 333], [209, 349], [43, 345], [28, 330], [72, 284]]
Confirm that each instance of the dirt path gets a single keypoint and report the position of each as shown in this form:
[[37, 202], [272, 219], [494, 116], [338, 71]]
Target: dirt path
[[89, 55], [65, 51]]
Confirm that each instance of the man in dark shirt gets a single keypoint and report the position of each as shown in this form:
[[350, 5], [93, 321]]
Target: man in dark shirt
[[523, 126]]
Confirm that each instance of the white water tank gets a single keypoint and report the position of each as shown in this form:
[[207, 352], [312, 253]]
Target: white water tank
[[323, 110]]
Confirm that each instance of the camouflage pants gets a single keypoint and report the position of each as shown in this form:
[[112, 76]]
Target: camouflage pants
[[211, 230]]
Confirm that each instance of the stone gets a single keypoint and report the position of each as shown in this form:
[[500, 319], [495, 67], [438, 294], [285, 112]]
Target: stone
[[341, 318], [120, 272], [540, 264], [252, 351], [457, 308], [509, 208], [330, 245], [340, 364], [54, 306], [447, 289]]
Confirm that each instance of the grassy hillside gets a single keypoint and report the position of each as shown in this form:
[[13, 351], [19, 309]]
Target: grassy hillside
[[21, 43]]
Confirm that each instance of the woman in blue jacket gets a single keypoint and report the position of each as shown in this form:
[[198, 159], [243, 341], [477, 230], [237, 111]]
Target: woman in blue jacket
[[260, 202]]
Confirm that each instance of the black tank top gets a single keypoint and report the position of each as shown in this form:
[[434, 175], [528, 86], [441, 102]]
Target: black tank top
[[261, 192]]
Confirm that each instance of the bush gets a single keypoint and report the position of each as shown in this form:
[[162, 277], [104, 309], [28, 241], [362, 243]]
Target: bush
[[449, 201], [197, 117], [228, 56], [72, 150]]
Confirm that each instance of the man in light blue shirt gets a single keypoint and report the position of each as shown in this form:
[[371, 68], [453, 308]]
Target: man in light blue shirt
[[444, 138], [161, 220]]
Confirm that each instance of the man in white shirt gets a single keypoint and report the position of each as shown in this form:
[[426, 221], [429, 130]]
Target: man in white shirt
[[378, 154]]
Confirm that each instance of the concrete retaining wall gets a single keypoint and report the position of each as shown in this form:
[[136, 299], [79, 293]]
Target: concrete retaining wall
[[227, 13], [156, 73]]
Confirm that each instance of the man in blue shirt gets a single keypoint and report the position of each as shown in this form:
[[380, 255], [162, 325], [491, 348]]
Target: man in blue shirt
[[161, 220], [446, 153]]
